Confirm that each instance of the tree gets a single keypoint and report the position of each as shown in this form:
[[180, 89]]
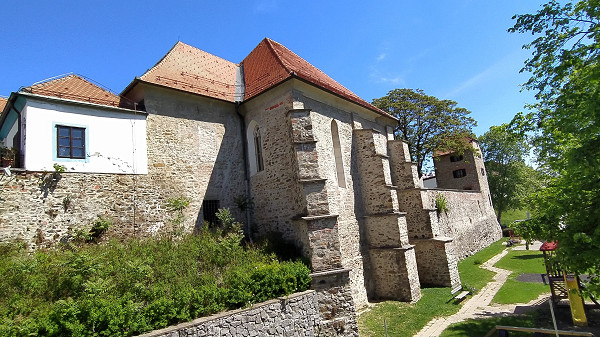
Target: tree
[[427, 123], [565, 129], [510, 179]]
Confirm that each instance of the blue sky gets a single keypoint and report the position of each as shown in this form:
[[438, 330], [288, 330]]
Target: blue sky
[[457, 50]]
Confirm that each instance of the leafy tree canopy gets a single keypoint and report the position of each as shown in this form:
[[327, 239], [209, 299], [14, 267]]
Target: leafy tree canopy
[[565, 128], [510, 179], [427, 123]]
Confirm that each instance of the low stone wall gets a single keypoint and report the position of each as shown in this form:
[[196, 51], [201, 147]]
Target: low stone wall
[[42, 210], [295, 315], [470, 220]]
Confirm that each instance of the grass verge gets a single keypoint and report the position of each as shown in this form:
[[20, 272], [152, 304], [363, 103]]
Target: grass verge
[[470, 274], [405, 319], [520, 262]]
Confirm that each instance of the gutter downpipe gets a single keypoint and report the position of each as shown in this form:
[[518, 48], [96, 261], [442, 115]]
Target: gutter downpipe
[[246, 164], [239, 97]]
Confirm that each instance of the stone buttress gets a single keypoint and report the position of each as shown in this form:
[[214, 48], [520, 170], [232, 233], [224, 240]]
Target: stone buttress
[[393, 268], [321, 243], [436, 260]]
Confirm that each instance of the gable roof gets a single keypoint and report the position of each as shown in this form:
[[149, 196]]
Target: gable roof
[[193, 70], [271, 63], [76, 88]]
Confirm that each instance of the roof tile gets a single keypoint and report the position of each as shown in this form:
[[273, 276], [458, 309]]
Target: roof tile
[[271, 63], [76, 88], [2, 103], [190, 69]]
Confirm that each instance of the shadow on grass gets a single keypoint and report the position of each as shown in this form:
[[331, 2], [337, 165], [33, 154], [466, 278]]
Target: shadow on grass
[[527, 257]]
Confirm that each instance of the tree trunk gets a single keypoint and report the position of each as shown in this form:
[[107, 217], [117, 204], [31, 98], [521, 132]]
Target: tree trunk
[[499, 217]]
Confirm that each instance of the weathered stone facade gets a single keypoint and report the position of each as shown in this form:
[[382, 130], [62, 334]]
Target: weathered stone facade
[[320, 166], [295, 315]]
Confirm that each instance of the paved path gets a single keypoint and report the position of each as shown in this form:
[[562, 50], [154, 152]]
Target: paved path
[[479, 306]]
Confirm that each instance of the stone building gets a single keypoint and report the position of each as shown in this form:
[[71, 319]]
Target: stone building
[[319, 163]]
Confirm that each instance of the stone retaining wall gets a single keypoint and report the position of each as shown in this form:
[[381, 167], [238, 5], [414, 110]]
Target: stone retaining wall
[[470, 220], [295, 315]]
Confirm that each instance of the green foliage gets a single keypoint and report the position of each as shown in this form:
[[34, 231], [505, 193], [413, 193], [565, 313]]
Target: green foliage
[[427, 123], [510, 179], [177, 205], [564, 129], [243, 203], [127, 288], [59, 168], [285, 250], [441, 203]]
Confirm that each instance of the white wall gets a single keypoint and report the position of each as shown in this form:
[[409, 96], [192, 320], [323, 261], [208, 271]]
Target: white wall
[[115, 140]]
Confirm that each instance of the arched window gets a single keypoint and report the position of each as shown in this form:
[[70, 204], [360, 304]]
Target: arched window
[[337, 152], [255, 149], [258, 147]]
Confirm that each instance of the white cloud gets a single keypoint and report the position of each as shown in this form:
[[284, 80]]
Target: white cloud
[[381, 56], [483, 76]]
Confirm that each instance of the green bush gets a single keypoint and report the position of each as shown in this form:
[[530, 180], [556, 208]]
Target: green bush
[[127, 288]]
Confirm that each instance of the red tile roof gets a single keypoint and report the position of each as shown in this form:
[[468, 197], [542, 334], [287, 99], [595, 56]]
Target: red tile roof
[[193, 70], [2, 103], [76, 88], [270, 63]]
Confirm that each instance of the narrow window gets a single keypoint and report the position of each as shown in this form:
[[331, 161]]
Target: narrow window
[[456, 158], [210, 209], [459, 173], [70, 142], [258, 148], [337, 152]]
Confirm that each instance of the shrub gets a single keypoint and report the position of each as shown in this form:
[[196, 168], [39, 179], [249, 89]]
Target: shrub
[[441, 203], [127, 288]]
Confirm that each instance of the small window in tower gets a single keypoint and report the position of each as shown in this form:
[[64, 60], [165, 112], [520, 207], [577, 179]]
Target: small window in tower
[[459, 173], [482, 171], [210, 209], [456, 158]]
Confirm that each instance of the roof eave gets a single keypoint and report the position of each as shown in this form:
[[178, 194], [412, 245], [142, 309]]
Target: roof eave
[[137, 81], [75, 102]]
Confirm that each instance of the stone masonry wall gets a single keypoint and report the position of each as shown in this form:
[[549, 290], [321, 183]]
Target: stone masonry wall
[[470, 220], [194, 151], [295, 315]]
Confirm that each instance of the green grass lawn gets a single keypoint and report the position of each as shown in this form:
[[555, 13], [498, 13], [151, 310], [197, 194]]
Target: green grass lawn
[[511, 215], [480, 327], [405, 319], [470, 273], [521, 261]]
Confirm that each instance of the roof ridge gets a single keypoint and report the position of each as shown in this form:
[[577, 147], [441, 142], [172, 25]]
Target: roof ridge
[[277, 56], [162, 58]]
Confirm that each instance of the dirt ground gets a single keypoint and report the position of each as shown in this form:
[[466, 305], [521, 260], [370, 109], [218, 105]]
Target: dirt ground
[[564, 320]]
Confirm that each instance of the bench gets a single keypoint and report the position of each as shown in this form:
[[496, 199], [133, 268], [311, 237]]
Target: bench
[[458, 295]]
